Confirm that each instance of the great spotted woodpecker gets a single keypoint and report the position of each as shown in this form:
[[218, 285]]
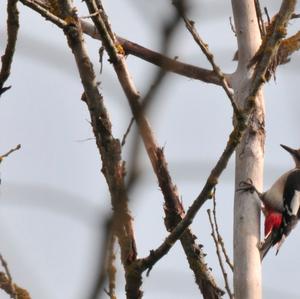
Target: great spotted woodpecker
[[281, 204]]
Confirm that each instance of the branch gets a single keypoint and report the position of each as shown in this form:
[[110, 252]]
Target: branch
[[218, 235], [172, 201], [127, 131], [9, 152], [158, 59], [204, 47], [104, 257], [272, 43], [12, 34], [218, 251], [41, 8], [260, 20], [7, 285], [241, 125], [109, 148]]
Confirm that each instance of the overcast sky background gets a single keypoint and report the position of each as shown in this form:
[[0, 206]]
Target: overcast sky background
[[53, 196]]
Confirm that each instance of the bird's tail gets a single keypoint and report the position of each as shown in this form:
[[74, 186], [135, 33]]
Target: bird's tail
[[265, 246], [275, 237]]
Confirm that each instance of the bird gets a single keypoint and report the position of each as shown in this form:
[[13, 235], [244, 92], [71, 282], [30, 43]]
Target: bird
[[281, 204]]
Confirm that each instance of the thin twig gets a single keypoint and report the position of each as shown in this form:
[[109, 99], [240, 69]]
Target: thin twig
[[204, 47], [127, 131], [9, 152], [267, 15], [103, 259], [109, 148], [295, 16], [90, 15], [219, 254], [219, 237], [260, 20], [12, 34]]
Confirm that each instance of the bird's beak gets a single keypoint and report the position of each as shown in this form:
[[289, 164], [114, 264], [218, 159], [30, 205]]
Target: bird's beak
[[292, 151]]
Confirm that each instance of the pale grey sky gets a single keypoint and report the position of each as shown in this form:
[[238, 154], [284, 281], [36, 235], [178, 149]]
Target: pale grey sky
[[53, 194]]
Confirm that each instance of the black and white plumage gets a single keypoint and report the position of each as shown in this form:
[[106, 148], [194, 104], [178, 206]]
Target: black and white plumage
[[281, 204]]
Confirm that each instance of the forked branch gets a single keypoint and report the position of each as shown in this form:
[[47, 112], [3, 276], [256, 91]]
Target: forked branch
[[168, 64], [157, 158], [286, 10]]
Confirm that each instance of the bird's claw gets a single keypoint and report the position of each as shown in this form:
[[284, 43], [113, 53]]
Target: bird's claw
[[246, 186]]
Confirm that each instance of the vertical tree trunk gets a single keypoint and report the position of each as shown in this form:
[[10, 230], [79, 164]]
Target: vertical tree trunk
[[249, 160]]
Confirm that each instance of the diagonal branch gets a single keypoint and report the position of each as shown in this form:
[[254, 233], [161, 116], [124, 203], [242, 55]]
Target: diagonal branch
[[12, 34], [218, 235], [157, 158], [10, 281], [260, 21], [204, 47], [9, 152], [7, 284], [218, 251], [286, 10], [109, 148], [41, 8], [168, 64]]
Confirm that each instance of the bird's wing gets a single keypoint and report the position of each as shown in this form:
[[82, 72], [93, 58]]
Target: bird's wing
[[295, 203], [291, 194]]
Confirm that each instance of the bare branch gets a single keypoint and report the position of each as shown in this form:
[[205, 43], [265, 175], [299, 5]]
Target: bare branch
[[260, 20], [9, 152], [158, 59], [7, 284], [12, 33], [49, 16], [295, 16], [205, 281], [255, 84], [267, 15], [127, 131], [219, 254], [204, 47], [109, 147], [270, 46], [12, 287], [218, 235], [103, 258], [91, 15]]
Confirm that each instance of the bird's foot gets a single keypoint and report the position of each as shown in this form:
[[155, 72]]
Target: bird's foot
[[247, 186]]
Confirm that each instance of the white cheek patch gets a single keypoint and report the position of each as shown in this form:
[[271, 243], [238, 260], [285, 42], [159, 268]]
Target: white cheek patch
[[295, 203]]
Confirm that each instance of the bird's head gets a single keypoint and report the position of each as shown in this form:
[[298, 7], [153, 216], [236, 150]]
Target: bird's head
[[295, 154]]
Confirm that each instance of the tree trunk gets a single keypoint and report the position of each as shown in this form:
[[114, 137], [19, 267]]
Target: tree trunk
[[249, 160]]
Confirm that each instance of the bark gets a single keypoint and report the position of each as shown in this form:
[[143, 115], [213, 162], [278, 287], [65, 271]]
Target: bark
[[249, 159]]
